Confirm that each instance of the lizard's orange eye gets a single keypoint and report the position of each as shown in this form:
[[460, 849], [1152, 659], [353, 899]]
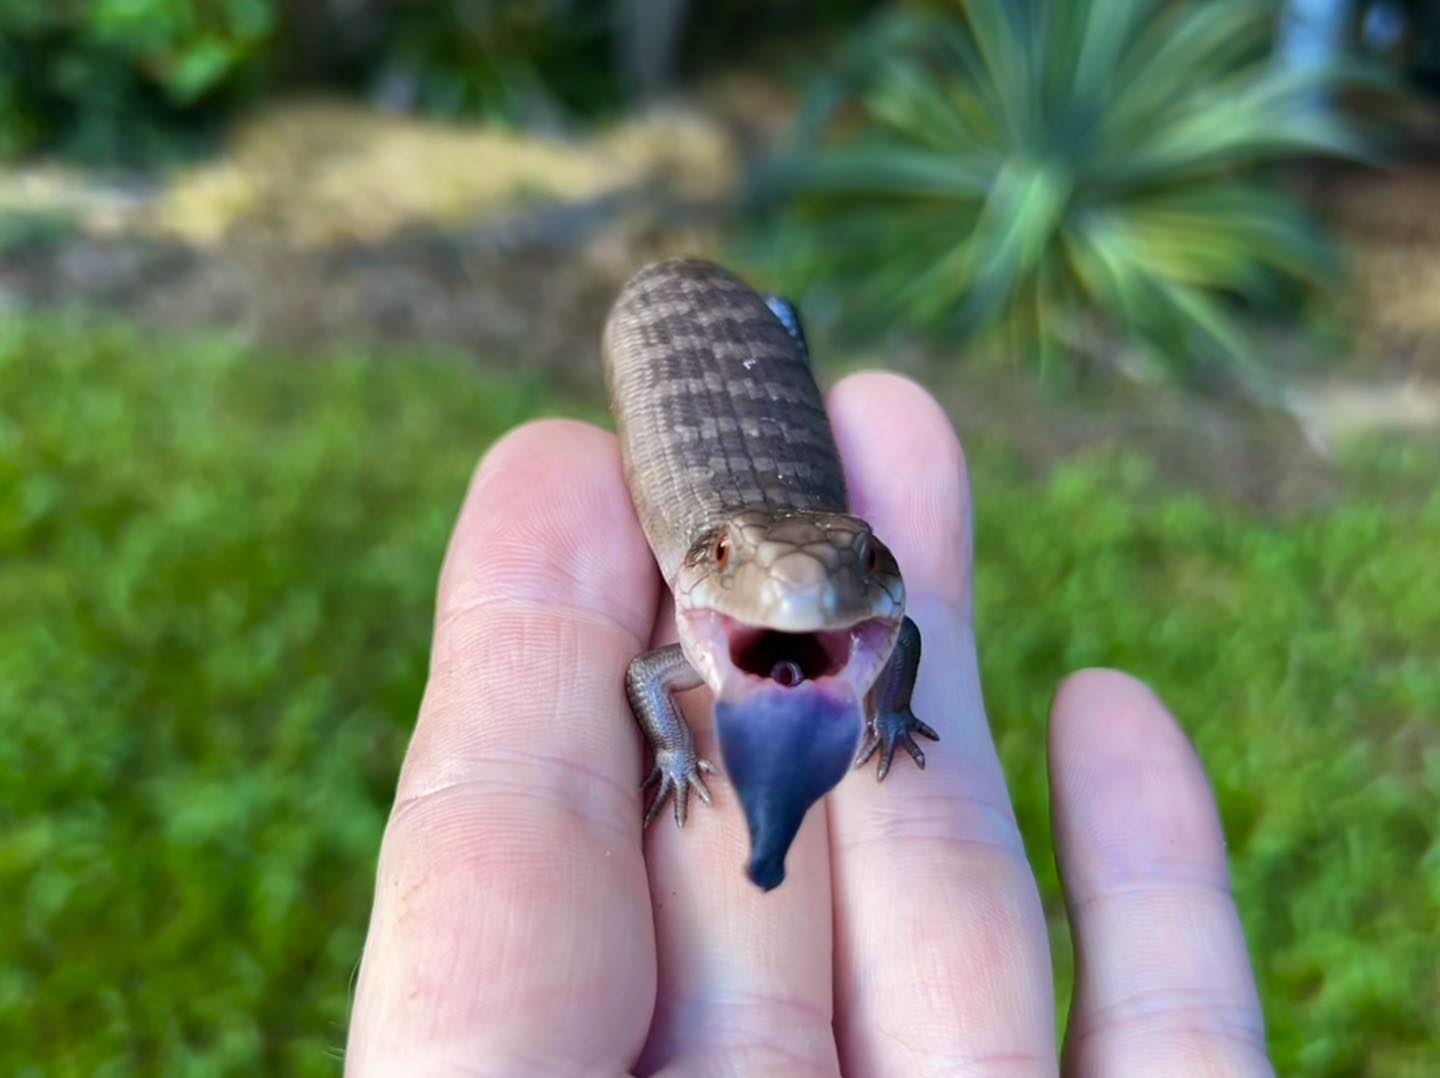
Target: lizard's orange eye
[[872, 557], [722, 551]]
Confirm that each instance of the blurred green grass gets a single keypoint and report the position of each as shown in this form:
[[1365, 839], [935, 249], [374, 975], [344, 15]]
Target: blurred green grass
[[216, 571]]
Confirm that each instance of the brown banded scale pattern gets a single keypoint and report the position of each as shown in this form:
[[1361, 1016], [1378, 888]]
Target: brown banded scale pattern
[[716, 406]]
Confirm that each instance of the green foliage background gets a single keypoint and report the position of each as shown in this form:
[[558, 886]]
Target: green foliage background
[[135, 82], [216, 571], [114, 80], [216, 578], [1030, 170]]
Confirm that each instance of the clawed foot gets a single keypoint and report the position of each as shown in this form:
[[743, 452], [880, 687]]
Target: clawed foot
[[676, 772], [889, 729]]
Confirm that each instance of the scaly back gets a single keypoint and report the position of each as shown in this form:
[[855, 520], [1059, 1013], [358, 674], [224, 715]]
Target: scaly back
[[715, 404]]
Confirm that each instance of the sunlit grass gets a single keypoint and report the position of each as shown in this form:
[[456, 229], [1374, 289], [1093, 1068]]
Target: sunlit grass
[[216, 571], [216, 574]]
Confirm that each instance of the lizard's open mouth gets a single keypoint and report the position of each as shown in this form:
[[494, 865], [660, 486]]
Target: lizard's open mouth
[[748, 657], [789, 658], [789, 713]]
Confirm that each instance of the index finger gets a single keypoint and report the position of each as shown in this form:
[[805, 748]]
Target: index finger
[[511, 928], [942, 959]]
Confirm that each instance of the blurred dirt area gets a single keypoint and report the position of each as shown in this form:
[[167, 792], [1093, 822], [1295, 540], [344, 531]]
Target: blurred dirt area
[[1237, 451], [510, 296], [331, 225], [1387, 223]]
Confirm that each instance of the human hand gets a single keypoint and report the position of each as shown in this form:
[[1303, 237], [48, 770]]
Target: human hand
[[522, 926]]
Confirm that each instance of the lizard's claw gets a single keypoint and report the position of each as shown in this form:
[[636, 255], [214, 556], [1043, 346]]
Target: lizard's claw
[[676, 772], [889, 729]]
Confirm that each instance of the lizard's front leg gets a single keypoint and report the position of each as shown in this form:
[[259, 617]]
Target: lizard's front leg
[[893, 722], [649, 682]]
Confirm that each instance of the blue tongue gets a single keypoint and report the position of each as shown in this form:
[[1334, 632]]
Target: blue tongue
[[784, 749]]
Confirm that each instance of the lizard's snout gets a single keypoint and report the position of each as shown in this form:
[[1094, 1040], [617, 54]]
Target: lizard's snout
[[800, 595], [799, 571]]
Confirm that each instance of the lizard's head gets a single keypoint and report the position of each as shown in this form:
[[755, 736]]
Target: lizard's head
[[789, 618], [788, 598]]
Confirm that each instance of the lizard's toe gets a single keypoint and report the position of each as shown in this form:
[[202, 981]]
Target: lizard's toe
[[666, 787], [867, 747], [888, 731], [676, 774]]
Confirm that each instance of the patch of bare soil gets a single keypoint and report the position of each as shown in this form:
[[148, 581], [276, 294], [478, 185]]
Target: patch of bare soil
[[527, 293], [329, 224], [1388, 225], [1229, 448]]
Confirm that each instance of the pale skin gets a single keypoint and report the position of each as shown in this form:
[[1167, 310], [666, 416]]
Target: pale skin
[[525, 924]]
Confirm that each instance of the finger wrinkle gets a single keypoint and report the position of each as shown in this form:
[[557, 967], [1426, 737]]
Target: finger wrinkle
[[535, 646], [453, 622], [487, 905], [750, 1061], [611, 810], [1197, 1009], [1191, 1048], [779, 1035], [930, 1048], [1153, 882], [467, 826], [524, 677], [499, 1061], [926, 1059], [567, 532], [622, 594], [980, 981], [1169, 933], [922, 815], [962, 852], [750, 1009]]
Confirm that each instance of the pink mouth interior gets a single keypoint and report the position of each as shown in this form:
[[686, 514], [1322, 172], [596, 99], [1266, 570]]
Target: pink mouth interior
[[791, 659]]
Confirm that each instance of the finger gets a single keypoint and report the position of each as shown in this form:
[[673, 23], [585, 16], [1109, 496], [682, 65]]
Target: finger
[[1163, 982], [942, 956], [511, 929], [745, 976]]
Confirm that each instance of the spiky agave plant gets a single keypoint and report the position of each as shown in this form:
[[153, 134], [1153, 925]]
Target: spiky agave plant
[[1038, 166]]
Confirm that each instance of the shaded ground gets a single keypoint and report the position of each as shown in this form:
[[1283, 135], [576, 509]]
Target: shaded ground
[[328, 225]]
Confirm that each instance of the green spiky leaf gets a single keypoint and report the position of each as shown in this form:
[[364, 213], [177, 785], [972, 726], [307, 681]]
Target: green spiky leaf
[[1027, 165]]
